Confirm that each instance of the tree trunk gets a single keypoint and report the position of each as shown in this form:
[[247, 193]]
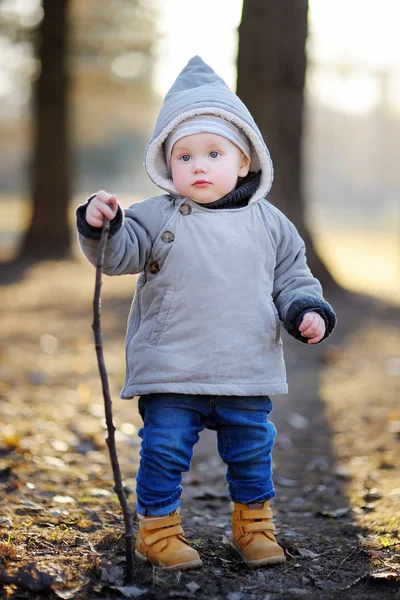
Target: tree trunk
[[48, 235], [271, 73]]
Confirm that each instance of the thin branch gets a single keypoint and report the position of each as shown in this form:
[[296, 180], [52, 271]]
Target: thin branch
[[118, 488], [341, 563], [394, 568], [354, 582]]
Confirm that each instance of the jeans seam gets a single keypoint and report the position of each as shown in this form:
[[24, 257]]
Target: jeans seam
[[225, 440]]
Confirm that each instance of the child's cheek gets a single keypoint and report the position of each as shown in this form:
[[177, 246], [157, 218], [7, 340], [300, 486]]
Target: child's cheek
[[179, 179]]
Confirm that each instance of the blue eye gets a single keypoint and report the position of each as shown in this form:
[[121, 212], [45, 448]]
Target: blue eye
[[214, 154], [185, 157]]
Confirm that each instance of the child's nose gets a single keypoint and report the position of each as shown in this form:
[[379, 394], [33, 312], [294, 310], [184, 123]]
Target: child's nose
[[199, 166]]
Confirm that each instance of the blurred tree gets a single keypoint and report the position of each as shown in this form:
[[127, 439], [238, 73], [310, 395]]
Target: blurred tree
[[91, 56], [48, 234], [271, 73]]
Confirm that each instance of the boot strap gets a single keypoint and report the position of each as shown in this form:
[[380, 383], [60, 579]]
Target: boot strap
[[162, 534], [258, 526], [250, 514], [150, 524]]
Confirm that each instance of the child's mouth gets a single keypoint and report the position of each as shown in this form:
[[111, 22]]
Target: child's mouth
[[201, 183]]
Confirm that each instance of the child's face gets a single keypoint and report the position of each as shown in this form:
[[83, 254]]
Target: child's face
[[206, 166]]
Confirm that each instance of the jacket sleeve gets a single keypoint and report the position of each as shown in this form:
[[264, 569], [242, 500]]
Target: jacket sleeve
[[132, 232], [296, 291]]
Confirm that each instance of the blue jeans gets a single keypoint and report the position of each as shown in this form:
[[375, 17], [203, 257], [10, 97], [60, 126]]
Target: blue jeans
[[172, 423]]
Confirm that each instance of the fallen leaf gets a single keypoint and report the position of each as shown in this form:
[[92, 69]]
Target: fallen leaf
[[53, 461], [63, 499], [371, 495], [130, 591], [99, 493], [307, 553], [192, 586], [342, 472], [11, 441], [57, 512], [7, 551], [112, 574], [67, 594], [334, 514], [31, 505], [85, 524], [93, 515], [48, 343], [59, 445]]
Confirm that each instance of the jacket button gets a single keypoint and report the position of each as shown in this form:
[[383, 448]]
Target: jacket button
[[167, 237], [154, 267], [185, 209]]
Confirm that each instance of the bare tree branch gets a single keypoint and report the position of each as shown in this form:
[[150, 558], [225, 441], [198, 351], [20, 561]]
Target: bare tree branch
[[118, 488]]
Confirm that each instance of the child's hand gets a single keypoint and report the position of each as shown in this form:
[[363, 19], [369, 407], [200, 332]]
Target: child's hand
[[312, 326], [103, 205]]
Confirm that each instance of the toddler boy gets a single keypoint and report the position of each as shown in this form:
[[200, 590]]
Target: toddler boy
[[220, 269]]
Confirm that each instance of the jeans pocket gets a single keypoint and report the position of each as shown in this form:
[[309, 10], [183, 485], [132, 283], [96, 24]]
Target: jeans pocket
[[161, 318]]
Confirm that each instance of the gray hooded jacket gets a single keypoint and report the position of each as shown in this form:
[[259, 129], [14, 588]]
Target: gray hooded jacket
[[214, 285]]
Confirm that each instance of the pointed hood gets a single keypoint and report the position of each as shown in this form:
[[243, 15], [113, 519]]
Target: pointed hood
[[198, 90]]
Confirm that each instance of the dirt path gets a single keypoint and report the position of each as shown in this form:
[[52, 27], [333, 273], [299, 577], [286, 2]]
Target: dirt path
[[336, 459]]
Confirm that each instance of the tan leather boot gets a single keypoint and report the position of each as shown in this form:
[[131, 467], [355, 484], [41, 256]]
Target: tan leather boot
[[253, 535], [161, 542]]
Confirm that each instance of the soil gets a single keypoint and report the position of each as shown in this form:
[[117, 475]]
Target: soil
[[336, 459]]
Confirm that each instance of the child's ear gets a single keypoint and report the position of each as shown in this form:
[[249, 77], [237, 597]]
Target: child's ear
[[244, 166]]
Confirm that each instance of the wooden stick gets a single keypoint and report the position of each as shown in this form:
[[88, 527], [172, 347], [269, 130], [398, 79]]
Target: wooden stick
[[118, 488]]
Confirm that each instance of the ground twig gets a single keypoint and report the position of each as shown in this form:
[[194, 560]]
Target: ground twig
[[127, 513], [354, 582], [341, 563]]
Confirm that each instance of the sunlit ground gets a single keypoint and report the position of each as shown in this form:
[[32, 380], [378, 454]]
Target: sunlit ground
[[360, 260]]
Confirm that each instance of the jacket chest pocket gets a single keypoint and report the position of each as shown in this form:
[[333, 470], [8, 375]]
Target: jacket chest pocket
[[161, 318]]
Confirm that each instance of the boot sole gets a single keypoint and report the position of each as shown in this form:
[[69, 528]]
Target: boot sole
[[271, 560], [194, 564]]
